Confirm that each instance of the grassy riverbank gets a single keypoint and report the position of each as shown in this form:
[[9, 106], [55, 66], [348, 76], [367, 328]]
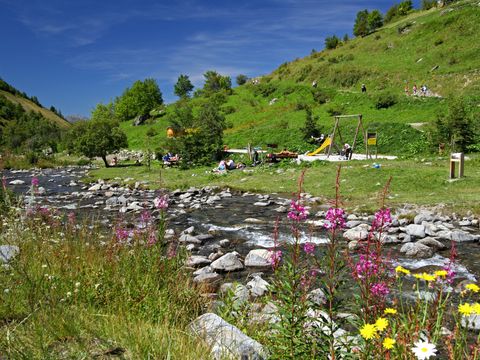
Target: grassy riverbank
[[420, 181], [77, 293]]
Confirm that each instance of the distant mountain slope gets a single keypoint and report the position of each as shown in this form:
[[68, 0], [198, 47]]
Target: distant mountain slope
[[16, 97]]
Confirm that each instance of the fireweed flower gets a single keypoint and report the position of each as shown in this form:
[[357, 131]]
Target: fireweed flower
[[297, 212], [309, 248], [383, 219], [388, 311], [472, 287], [366, 266], [121, 233], [275, 258], [388, 343], [35, 182], [379, 289], [424, 350], [161, 202], [368, 331], [335, 219], [381, 324]]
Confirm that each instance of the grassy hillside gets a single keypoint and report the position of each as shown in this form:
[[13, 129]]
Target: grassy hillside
[[439, 48], [29, 105]]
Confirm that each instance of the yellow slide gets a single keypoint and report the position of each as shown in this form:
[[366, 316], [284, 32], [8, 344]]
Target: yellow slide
[[326, 143]]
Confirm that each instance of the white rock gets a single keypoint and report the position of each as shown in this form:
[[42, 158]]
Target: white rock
[[226, 341], [8, 252], [17, 182], [462, 236], [258, 258], [197, 261], [416, 250], [416, 230], [257, 286], [189, 239], [228, 262], [357, 233]]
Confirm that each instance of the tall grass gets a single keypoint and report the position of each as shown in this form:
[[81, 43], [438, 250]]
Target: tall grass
[[78, 291]]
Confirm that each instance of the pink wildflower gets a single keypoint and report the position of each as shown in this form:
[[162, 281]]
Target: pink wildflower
[[275, 258], [383, 219], [309, 248], [121, 233], [366, 266], [145, 217], [152, 238], [35, 182], [161, 202], [297, 211], [379, 289], [71, 218], [335, 219], [172, 250]]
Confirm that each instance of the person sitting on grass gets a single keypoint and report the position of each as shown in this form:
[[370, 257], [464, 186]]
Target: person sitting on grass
[[231, 164], [221, 168]]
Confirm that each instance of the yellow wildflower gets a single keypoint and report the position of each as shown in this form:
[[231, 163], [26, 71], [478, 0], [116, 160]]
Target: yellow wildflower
[[441, 273], [389, 311], [473, 287], [401, 269], [425, 276], [476, 308], [368, 331], [465, 309], [381, 324], [388, 343]]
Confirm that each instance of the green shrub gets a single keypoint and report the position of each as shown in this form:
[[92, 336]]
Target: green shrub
[[320, 96], [385, 100]]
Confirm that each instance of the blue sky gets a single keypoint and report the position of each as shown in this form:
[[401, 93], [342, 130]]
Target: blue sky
[[75, 54]]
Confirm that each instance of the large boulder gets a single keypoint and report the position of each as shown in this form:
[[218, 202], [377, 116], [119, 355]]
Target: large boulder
[[417, 250], [416, 230], [226, 341], [197, 261], [462, 236], [228, 262], [359, 232], [8, 252], [258, 258]]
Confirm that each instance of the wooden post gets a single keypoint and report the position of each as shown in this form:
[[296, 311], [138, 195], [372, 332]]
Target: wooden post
[[355, 137], [460, 159], [333, 137]]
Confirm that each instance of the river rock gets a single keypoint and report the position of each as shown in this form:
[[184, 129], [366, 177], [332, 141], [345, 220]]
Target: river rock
[[224, 242], [431, 242], [189, 239], [197, 261], [226, 341], [423, 216], [112, 201], [95, 187], [262, 203], [253, 221], [204, 270], [8, 252], [416, 230], [17, 182], [464, 223], [461, 236], [357, 233], [416, 250], [318, 297], [228, 262], [207, 278], [186, 196], [212, 199], [257, 286], [258, 258], [281, 209]]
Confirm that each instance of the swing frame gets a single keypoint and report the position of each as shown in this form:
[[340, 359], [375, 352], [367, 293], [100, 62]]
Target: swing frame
[[337, 133]]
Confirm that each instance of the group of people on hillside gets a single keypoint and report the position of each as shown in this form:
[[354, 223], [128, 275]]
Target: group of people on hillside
[[415, 92]]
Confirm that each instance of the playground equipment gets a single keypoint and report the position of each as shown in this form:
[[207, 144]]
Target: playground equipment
[[372, 142], [326, 143], [337, 135], [460, 159]]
